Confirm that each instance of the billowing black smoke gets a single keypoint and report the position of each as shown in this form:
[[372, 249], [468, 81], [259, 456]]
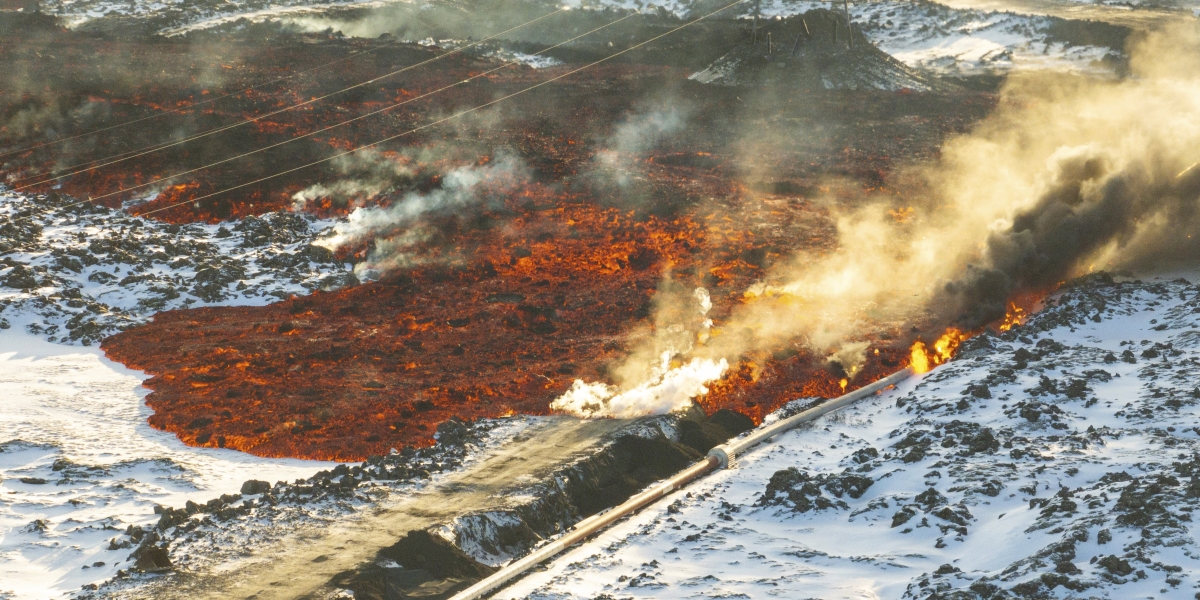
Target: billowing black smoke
[[1091, 206]]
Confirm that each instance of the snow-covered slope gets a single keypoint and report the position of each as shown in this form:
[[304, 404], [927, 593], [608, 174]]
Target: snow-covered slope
[[920, 33], [79, 465], [957, 41], [81, 274], [181, 13], [1057, 460]]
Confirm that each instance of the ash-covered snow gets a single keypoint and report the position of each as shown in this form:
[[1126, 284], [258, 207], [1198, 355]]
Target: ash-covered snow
[[77, 275], [1059, 459], [919, 33], [79, 465], [181, 16], [961, 42]]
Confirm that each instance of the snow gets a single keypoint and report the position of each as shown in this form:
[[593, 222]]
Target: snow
[[271, 11], [191, 15], [1080, 447], [70, 417], [77, 275], [78, 421], [933, 36], [920, 33]]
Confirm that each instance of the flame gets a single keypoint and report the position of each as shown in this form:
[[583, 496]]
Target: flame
[[919, 361], [1013, 317], [843, 383], [923, 358]]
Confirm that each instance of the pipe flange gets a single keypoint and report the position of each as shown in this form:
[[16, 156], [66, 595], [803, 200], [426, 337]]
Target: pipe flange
[[721, 456]]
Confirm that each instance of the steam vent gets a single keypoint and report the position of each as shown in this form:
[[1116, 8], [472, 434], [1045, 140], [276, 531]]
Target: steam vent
[[519, 299]]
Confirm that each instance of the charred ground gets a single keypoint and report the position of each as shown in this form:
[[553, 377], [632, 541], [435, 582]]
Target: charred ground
[[510, 300]]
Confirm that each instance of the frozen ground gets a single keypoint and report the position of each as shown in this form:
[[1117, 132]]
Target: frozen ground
[[79, 274], [919, 33], [80, 470], [180, 13], [79, 465], [960, 41], [1058, 460]]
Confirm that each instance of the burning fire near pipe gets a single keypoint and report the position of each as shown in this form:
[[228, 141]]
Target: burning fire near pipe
[[376, 234]]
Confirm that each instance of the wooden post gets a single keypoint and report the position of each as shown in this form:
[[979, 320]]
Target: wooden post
[[849, 27], [770, 47], [754, 31]]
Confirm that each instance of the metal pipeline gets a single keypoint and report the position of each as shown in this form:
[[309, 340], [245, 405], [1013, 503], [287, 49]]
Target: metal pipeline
[[718, 458]]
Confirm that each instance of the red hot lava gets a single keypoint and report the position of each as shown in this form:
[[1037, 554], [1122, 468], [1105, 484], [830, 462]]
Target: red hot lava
[[518, 302]]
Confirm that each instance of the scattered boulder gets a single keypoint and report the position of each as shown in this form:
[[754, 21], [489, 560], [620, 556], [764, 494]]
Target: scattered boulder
[[254, 486], [804, 492], [152, 558]]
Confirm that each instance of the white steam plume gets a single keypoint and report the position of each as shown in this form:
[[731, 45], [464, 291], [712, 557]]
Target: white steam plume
[[396, 228], [368, 174], [670, 388], [638, 133], [1067, 175], [668, 384]]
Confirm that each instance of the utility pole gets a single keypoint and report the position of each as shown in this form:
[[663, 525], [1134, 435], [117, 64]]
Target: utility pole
[[849, 27], [754, 31]]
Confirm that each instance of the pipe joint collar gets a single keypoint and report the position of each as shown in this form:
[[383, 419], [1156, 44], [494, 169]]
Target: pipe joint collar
[[721, 456]]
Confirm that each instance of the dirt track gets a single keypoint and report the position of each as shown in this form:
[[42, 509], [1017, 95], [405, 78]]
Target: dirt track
[[302, 564]]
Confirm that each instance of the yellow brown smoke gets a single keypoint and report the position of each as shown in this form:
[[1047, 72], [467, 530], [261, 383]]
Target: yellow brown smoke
[[1069, 174]]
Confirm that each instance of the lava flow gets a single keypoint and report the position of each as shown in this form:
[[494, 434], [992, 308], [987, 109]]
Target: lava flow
[[499, 306]]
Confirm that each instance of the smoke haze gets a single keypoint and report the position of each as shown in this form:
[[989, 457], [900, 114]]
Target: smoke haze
[[393, 230], [1068, 175]]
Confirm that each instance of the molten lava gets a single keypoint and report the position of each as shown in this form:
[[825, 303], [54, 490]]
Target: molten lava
[[509, 302]]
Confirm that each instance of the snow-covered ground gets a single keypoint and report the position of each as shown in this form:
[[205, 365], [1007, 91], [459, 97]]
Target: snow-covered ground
[[933, 36], [79, 464], [80, 274], [919, 33], [1057, 460], [187, 12]]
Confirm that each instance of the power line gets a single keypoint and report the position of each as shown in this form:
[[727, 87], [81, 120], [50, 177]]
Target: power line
[[336, 125], [155, 148], [454, 116], [408, 132], [191, 106]]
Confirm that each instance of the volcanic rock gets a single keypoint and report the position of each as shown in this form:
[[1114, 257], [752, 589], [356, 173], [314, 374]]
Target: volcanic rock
[[255, 486], [150, 558], [430, 567], [813, 51]]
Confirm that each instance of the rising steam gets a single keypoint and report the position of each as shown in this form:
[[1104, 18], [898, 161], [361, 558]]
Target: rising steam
[[1069, 174], [616, 163], [394, 229], [666, 385]]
